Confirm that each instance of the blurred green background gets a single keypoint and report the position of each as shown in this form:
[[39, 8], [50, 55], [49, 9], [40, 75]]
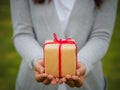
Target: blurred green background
[[10, 60]]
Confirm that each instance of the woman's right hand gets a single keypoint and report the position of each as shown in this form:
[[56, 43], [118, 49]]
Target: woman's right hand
[[40, 75]]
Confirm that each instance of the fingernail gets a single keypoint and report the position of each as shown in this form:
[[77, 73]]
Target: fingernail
[[53, 82], [68, 76], [64, 79], [74, 77], [50, 76], [41, 71], [57, 80]]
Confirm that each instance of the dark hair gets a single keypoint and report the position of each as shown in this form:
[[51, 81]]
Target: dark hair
[[98, 3]]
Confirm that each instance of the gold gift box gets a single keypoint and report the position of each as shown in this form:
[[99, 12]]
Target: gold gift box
[[60, 61]]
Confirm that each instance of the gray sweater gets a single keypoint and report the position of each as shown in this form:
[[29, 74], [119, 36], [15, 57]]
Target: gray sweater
[[90, 27]]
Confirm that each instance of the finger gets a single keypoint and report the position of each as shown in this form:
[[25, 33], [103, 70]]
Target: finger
[[70, 82], [68, 76], [82, 69], [57, 80], [78, 73], [47, 81], [39, 77], [74, 77], [63, 79], [42, 63], [60, 81], [53, 82], [42, 70], [78, 65], [45, 74], [50, 76], [78, 82], [39, 68]]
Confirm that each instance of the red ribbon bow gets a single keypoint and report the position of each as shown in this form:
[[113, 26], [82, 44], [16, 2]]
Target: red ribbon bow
[[68, 40], [60, 42]]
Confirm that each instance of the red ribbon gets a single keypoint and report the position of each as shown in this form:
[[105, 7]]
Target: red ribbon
[[60, 42]]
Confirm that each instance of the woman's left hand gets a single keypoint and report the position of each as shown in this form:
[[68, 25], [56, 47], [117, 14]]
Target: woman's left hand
[[78, 80]]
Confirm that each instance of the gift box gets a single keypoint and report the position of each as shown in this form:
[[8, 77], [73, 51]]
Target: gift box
[[60, 57]]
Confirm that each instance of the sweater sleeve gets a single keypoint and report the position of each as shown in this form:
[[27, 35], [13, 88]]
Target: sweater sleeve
[[24, 37], [100, 35]]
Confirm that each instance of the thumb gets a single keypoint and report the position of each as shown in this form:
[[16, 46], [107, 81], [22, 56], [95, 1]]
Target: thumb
[[81, 70], [39, 67]]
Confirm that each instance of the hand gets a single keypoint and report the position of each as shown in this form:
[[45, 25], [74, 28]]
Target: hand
[[78, 80], [40, 74]]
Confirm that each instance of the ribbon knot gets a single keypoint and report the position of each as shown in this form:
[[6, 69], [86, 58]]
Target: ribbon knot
[[61, 41]]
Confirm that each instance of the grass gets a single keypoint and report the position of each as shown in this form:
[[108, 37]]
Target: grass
[[10, 60], [111, 61]]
